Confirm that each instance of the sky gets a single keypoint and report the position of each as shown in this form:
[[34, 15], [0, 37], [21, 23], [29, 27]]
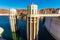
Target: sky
[[23, 4]]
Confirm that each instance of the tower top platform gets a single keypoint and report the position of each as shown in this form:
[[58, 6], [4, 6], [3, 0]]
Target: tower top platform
[[13, 11]]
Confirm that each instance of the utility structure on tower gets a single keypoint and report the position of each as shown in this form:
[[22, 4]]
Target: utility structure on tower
[[13, 19], [32, 22], [13, 24]]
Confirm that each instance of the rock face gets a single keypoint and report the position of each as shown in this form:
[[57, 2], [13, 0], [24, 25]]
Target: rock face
[[47, 10], [4, 11], [23, 11]]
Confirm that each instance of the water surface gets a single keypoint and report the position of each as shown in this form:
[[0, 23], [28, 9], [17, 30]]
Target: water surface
[[5, 23]]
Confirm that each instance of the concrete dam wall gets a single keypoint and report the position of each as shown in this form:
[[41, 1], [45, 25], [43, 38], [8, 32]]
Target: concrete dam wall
[[53, 26]]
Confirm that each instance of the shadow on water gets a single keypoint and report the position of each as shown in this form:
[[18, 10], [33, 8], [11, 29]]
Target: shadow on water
[[22, 25], [43, 33]]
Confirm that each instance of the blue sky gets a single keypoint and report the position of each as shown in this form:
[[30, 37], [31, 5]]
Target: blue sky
[[22, 4]]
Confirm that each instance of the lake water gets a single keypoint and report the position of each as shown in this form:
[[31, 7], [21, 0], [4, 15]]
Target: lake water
[[5, 23]]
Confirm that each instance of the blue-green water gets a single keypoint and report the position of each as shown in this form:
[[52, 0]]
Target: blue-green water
[[5, 23]]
